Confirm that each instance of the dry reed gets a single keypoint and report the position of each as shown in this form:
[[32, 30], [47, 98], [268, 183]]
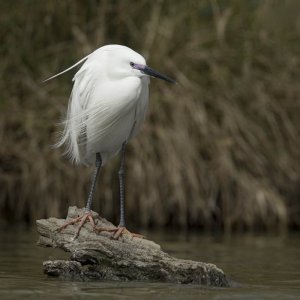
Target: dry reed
[[218, 151]]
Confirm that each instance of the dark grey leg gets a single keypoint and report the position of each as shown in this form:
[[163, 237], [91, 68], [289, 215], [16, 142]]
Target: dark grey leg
[[94, 179], [120, 230], [122, 187]]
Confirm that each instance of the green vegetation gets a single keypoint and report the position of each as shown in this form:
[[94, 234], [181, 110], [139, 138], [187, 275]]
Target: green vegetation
[[218, 151]]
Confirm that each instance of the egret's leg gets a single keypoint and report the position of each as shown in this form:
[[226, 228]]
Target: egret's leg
[[94, 179], [121, 229], [122, 226], [88, 215], [122, 187]]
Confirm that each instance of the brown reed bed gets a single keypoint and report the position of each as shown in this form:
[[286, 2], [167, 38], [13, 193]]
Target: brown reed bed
[[220, 150]]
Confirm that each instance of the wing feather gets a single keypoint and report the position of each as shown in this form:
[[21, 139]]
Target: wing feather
[[90, 119]]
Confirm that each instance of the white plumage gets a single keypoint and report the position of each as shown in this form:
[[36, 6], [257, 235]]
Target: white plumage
[[107, 105], [106, 109]]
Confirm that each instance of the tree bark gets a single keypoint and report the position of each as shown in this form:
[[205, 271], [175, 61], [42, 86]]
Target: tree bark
[[95, 256]]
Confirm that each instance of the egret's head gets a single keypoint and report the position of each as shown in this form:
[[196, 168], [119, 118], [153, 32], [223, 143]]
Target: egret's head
[[124, 62]]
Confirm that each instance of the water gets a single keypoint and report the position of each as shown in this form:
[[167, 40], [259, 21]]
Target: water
[[262, 267]]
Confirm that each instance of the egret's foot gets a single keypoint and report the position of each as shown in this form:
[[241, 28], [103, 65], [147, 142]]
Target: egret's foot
[[118, 232], [86, 217], [124, 231]]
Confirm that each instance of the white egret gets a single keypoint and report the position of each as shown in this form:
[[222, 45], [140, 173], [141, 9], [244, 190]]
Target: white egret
[[106, 109]]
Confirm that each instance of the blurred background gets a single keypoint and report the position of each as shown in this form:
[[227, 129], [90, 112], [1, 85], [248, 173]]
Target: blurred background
[[220, 151]]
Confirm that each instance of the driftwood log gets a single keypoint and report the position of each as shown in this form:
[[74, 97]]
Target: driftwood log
[[95, 256]]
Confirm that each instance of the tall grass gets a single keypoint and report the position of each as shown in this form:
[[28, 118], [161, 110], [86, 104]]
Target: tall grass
[[218, 151]]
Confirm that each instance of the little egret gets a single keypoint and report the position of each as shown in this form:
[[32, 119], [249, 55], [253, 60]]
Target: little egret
[[106, 109]]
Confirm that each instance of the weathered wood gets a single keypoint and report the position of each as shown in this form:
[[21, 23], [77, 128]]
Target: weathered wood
[[95, 256]]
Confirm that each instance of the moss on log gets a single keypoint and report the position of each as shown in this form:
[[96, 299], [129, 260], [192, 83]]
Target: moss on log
[[95, 256]]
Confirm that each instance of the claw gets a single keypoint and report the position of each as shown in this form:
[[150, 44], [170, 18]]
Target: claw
[[118, 232], [82, 219]]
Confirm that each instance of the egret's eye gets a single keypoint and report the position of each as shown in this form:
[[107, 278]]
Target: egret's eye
[[131, 63]]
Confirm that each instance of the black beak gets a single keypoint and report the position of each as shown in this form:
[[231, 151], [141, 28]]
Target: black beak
[[147, 70]]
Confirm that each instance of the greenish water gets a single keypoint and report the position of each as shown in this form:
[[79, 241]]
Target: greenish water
[[261, 267]]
